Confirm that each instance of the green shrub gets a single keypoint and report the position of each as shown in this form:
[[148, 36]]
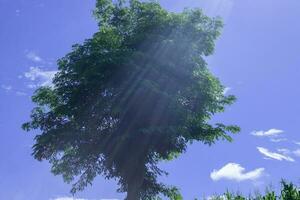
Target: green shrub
[[289, 191]]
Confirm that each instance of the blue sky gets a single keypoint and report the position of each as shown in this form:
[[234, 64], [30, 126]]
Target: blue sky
[[257, 58]]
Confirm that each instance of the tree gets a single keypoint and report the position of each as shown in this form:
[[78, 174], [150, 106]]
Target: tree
[[138, 92]]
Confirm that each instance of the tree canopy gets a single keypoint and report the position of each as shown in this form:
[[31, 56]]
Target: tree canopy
[[137, 92]]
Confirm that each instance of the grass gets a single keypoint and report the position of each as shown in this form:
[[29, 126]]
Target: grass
[[288, 191]]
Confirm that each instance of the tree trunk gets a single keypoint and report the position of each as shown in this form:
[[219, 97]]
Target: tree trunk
[[135, 180], [132, 193]]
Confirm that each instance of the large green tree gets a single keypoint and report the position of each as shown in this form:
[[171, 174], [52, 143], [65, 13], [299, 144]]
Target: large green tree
[[138, 92]]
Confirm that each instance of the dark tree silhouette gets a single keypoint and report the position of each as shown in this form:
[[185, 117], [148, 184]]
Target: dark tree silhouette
[[138, 92]]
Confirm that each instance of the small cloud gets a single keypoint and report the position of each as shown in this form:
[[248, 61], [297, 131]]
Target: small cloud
[[9, 88], [18, 12], [296, 142], [276, 140], [271, 132], [39, 77], [273, 155], [297, 152], [40, 5], [289, 152], [235, 172], [284, 151], [33, 56], [226, 90], [19, 93], [6, 87]]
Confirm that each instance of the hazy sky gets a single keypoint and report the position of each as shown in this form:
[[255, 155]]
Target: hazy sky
[[257, 58]]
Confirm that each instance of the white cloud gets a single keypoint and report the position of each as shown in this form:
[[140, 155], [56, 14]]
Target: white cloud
[[18, 12], [284, 151], [271, 132], [9, 88], [235, 172], [296, 142], [273, 155], [289, 152], [39, 77], [276, 140], [33, 56], [6, 87], [226, 90], [19, 93], [297, 152]]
